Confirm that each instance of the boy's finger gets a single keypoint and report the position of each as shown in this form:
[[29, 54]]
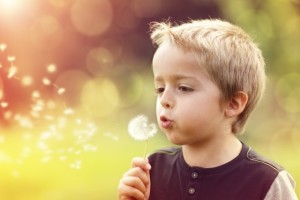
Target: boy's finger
[[141, 162], [126, 192], [134, 182], [140, 173]]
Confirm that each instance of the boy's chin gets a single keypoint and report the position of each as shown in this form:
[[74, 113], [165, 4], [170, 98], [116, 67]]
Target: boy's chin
[[175, 140]]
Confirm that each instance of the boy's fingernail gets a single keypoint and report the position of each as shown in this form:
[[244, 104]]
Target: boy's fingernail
[[148, 166]]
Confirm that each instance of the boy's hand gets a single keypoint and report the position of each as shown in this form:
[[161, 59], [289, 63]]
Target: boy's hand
[[135, 184]]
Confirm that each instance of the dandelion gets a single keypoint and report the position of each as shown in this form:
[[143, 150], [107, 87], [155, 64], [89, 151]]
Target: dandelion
[[140, 129]]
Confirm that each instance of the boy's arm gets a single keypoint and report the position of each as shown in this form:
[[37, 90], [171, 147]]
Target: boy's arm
[[282, 188], [135, 184]]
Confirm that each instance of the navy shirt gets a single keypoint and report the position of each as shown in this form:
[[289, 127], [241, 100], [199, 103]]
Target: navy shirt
[[249, 176]]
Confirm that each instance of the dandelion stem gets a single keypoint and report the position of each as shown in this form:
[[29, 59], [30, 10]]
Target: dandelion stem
[[145, 149]]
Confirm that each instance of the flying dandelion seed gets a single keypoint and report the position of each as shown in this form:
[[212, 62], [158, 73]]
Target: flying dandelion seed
[[140, 129], [89, 147], [51, 68], [76, 164], [46, 81], [68, 111], [12, 71], [36, 94], [60, 91], [2, 47], [11, 58], [60, 136], [4, 104], [112, 136]]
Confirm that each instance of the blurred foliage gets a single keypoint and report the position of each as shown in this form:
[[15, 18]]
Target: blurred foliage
[[74, 72]]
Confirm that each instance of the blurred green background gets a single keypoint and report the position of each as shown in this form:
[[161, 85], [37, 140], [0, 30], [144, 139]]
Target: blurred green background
[[74, 72]]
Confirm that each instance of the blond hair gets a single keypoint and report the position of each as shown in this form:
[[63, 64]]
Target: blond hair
[[228, 54]]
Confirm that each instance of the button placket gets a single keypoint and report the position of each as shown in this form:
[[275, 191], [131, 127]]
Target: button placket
[[192, 188]]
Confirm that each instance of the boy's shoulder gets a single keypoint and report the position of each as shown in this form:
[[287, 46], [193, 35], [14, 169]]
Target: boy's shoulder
[[165, 155], [167, 151], [257, 159]]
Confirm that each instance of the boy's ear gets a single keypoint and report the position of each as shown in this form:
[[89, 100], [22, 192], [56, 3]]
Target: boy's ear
[[236, 104]]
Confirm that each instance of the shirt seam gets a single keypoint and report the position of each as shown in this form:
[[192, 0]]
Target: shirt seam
[[261, 161]]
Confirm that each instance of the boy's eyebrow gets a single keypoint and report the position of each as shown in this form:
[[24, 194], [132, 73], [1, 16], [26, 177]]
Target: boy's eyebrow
[[175, 77]]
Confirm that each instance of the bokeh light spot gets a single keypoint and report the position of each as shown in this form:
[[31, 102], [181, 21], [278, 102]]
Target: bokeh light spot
[[91, 17], [46, 32], [71, 90], [26, 80], [100, 97], [99, 61], [131, 88], [60, 3], [9, 6]]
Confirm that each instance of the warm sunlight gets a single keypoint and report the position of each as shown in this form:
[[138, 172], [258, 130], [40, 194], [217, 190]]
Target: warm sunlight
[[9, 6]]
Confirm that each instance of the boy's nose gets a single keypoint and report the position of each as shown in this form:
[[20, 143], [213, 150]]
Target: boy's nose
[[166, 100]]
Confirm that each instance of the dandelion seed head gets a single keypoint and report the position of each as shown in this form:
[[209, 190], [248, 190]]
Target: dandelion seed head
[[140, 129], [112, 136]]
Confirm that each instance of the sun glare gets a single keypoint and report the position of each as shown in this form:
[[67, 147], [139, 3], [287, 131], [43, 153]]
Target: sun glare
[[10, 5]]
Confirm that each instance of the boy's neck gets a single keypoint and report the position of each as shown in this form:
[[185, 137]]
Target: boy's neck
[[212, 153]]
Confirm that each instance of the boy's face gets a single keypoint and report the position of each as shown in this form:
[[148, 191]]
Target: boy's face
[[188, 105]]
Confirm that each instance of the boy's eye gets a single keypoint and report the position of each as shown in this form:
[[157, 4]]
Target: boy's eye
[[185, 89], [159, 90]]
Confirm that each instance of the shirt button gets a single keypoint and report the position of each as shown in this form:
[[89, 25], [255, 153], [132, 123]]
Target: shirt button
[[191, 190], [194, 175]]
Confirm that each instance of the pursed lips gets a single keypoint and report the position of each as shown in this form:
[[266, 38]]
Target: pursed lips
[[165, 122]]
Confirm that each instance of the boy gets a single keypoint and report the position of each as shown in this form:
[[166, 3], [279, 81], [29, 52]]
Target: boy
[[209, 77]]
